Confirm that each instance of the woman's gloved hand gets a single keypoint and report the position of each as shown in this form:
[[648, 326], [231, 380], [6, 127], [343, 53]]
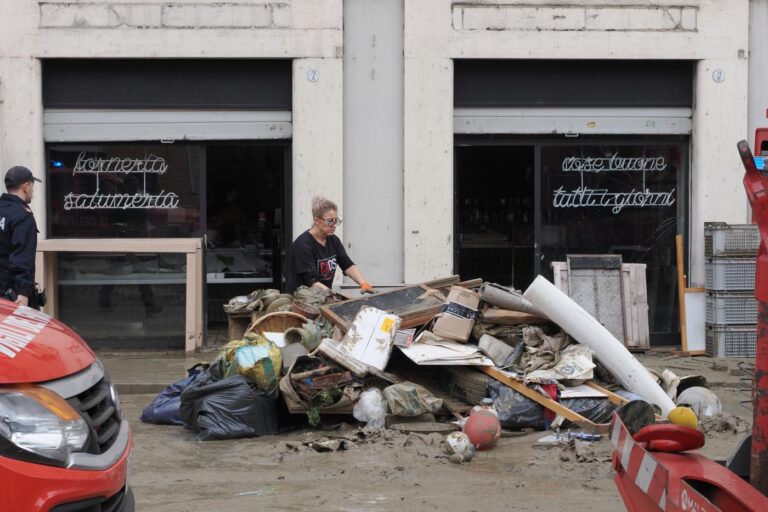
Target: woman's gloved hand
[[366, 288]]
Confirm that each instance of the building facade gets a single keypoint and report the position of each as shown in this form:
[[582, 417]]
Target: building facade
[[487, 138]]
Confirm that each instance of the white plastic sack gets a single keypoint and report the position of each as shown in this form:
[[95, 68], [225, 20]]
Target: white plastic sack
[[371, 408]]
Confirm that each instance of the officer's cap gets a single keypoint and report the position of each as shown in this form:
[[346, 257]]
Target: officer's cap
[[17, 175]]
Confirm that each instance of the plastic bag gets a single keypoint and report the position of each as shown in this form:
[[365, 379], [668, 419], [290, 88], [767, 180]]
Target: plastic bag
[[229, 409], [409, 399], [516, 412], [371, 408], [164, 409], [254, 357]]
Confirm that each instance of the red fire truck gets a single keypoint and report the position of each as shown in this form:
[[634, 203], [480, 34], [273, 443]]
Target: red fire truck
[[64, 444]]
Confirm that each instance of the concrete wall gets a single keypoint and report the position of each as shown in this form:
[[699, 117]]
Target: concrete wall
[[713, 32], [373, 137], [309, 31]]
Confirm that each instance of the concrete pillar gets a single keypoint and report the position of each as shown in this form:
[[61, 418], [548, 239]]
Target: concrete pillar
[[373, 137], [719, 122], [758, 67], [317, 137], [21, 125], [428, 168]]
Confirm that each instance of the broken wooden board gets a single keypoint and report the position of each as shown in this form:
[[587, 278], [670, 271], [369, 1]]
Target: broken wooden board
[[500, 316], [548, 403], [415, 305]]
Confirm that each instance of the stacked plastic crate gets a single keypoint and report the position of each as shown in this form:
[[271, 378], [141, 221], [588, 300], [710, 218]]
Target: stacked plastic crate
[[731, 311]]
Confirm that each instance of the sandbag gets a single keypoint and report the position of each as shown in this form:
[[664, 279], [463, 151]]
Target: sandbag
[[228, 409], [164, 409]]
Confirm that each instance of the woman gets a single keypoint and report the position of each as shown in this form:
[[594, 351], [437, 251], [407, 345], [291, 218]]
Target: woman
[[317, 252]]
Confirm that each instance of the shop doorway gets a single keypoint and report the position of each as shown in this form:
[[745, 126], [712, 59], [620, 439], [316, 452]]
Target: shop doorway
[[494, 197], [525, 202], [246, 204]]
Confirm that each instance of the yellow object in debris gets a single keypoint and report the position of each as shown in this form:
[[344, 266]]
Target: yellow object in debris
[[683, 416]]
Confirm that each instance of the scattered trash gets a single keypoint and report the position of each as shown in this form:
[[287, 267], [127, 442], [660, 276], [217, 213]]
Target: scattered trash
[[459, 447], [525, 362], [702, 401], [371, 408], [483, 428], [409, 399]]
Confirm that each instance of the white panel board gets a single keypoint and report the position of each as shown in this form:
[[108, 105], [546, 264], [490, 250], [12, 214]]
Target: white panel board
[[695, 316]]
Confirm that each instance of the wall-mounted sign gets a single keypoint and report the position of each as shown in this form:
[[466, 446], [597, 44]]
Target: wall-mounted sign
[[585, 196], [136, 168], [614, 163]]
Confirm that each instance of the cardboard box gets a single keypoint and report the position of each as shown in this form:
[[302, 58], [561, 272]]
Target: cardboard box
[[371, 336], [456, 320]]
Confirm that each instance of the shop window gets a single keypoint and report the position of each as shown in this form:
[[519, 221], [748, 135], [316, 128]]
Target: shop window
[[617, 199], [124, 190], [124, 300], [495, 213]]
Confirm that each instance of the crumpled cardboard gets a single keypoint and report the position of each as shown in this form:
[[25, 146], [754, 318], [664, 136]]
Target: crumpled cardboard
[[456, 320]]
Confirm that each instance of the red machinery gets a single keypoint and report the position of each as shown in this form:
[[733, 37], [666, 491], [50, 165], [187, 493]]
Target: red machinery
[[756, 182], [678, 481]]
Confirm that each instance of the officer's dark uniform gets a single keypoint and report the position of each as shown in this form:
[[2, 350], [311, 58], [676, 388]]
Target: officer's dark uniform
[[18, 244]]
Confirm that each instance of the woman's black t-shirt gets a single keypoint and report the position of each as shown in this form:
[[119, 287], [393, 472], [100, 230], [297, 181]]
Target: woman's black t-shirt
[[310, 262]]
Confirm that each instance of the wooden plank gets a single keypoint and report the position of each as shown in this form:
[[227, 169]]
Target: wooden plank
[[612, 397], [199, 296], [630, 331], [139, 245], [641, 286], [681, 290], [507, 317], [560, 273], [190, 342], [542, 400]]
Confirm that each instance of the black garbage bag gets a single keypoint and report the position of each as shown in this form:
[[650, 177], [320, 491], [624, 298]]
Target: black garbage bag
[[517, 412], [164, 409], [228, 409]]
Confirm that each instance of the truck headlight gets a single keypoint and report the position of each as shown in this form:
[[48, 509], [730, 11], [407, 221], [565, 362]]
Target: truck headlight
[[36, 421]]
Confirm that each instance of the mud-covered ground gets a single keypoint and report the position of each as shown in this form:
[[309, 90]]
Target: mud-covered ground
[[172, 472]]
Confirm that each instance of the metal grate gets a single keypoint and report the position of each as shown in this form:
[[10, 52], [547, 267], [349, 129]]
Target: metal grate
[[730, 274], [97, 408], [731, 308]]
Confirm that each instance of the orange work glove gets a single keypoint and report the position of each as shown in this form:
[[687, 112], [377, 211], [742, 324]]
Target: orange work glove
[[366, 288]]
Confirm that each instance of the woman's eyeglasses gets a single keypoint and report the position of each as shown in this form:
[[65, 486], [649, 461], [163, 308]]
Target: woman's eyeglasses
[[331, 222]]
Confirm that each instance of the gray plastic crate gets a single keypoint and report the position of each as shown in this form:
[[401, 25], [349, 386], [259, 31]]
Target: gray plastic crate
[[721, 239], [730, 274], [731, 341], [731, 308]]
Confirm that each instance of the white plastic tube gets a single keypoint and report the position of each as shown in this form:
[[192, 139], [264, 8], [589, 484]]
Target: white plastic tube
[[630, 373]]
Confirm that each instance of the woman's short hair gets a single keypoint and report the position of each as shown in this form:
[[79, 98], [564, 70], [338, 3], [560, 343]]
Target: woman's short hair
[[321, 205]]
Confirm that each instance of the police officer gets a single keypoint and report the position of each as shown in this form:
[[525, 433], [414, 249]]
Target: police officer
[[18, 237]]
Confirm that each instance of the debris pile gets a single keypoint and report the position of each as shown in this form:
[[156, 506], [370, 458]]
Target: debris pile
[[458, 360]]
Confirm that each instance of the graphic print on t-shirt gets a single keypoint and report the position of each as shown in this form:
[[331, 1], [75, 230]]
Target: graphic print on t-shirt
[[326, 268]]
